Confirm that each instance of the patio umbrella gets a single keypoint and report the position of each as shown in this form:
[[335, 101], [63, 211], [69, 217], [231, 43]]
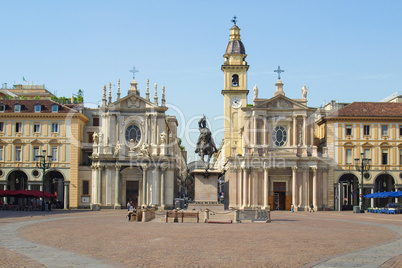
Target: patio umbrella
[[395, 194]]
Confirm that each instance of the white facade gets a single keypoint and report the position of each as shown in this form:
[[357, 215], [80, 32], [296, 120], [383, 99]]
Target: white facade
[[135, 153]]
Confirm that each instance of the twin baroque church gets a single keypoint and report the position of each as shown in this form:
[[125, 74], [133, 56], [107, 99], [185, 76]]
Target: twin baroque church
[[269, 153], [135, 155]]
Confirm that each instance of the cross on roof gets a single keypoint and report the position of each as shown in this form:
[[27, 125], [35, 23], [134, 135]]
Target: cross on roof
[[279, 71], [234, 20], [133, 71]]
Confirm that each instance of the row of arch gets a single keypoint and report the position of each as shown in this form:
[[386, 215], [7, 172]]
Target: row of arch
[[348, 190], [18, 180]]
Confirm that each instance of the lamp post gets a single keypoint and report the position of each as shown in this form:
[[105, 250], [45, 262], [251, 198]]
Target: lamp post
[[43, 164], [362, 165]]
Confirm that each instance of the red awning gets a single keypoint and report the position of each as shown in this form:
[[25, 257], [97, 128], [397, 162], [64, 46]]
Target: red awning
[[26, 193]]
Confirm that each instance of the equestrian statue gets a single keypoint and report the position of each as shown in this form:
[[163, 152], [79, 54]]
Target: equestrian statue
[[205, 143]]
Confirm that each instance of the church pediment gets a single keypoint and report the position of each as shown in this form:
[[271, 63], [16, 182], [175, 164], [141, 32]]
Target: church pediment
[[133, 101], [280, 102]]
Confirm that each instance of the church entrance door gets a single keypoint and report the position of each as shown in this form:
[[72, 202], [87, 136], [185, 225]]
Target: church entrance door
[[132, 192], [279, 195]]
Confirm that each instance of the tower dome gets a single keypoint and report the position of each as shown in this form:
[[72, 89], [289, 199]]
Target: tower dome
[[235, 45]]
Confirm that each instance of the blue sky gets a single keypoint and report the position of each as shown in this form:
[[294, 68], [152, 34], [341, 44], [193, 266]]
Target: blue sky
[[342, 50]]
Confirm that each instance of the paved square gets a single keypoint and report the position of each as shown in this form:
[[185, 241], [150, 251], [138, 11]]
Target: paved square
[[106, 238]]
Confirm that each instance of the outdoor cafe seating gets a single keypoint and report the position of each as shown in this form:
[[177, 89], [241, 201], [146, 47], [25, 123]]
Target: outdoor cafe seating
[[391, 208], [26, 197]]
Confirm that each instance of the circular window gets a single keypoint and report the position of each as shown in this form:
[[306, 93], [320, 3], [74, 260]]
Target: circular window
[[400, 175], [35, 173], [367, 175], [1, 173], [133, 132], [279, 136]]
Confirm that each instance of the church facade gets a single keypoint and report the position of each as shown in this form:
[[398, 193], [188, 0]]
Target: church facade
[[134, 152], [269, 152]]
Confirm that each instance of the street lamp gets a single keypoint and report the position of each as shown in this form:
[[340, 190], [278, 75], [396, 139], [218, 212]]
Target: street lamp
[[43, 164], [362, 165]]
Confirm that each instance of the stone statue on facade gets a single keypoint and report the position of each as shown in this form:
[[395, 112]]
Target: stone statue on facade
[[163, 137], [100, 137], [144, 150], [117, 149], [304, 92], [95, 138], [255, 93], [205, 143], [131, 145]]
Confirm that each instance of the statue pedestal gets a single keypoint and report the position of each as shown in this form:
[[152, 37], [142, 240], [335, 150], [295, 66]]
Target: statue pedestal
[[205, 186]]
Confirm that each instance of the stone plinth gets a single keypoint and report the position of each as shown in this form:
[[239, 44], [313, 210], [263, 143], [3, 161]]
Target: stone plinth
[[205, 186]]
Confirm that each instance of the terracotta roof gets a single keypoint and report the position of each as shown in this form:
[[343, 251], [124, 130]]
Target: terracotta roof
[[28, 106], [370, 109]]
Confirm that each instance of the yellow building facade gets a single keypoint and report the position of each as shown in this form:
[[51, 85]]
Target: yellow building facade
[[373, 129], [27, 127]]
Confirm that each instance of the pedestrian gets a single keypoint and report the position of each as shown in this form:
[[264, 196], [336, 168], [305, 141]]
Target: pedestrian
[[128, 205], [293, 208], [311, 208]]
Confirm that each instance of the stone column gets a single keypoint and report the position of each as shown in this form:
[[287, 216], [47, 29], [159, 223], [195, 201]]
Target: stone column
[[240, 187], [156, 188], [117, 187], [305, 188], [246, 134], [294, 132], [264, 132], [144, 185], [108, 186], [99, 180], [245, 187], [255, 134], [266, 188], [372, 199], [66, 194], [340, 195], [94, 185], [325, 187], [305, 131], [315, 188], [294, 189], [163, 205]]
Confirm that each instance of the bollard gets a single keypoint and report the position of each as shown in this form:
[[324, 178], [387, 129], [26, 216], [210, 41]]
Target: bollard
[[236, 216], [175, 219], [144, 214], [206, 215]]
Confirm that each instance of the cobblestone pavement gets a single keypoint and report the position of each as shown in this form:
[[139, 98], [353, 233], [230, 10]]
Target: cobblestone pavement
[[105, 238]]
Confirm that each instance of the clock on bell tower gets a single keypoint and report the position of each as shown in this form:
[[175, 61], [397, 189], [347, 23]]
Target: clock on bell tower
[[235, 91]]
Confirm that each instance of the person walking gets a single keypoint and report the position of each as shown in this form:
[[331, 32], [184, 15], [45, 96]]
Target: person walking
[[311, 208], [293, 208], [128, 205]]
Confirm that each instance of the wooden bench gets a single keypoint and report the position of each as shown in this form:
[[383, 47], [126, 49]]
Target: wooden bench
[[181, 214], [190, 215]]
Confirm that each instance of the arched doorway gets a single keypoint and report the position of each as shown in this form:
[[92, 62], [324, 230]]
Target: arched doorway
[[54, 184], [348, 192], [384, 183], [17, 180]]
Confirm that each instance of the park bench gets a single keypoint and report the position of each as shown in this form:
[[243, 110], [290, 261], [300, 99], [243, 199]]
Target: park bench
[[181, 214]]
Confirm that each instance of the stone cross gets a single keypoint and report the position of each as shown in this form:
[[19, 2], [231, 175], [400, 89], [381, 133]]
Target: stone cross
[[279, 71], [133, 71]]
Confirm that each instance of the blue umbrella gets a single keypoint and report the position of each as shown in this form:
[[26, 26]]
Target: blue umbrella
[[395, 194]]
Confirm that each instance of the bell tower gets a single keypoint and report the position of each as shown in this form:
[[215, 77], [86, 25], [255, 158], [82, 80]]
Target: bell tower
[[235, 90]]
